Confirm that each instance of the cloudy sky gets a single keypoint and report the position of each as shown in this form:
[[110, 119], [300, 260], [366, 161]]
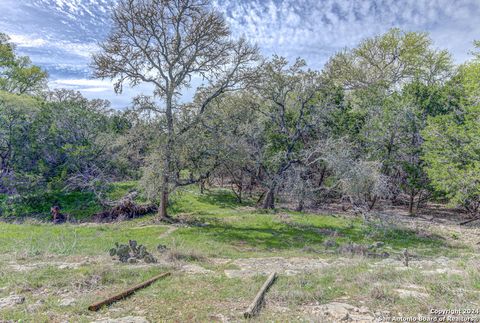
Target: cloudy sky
[[60, 35]]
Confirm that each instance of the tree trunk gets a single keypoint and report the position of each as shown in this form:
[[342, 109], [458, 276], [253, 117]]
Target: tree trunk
[[322, 176], [410, 203], [240, 187], [269, 201], [239, 193], [167, 157], [162, 211], [300, 205], [372, 203]]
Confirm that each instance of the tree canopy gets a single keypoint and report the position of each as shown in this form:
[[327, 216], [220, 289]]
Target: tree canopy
[[392, 120]]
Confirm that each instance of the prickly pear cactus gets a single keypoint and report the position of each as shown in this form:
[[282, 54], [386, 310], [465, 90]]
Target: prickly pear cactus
[[132, 253]]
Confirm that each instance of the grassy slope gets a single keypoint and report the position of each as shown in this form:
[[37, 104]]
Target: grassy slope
[[242, 231], [231, 231]]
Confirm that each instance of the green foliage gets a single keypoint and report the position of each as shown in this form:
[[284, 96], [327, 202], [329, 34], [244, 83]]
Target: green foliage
[[69, 138], [452, 153], [452, 150], [355, 131], [79, 205], [470, 76], [17, 114], [432, 99], [17, 74], [384, 61]]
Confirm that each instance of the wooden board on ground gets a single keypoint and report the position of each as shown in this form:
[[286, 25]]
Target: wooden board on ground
[[128, 292], [254, 308]]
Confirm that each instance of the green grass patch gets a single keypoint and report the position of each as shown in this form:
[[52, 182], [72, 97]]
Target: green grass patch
[[68, 239], [229, 229]]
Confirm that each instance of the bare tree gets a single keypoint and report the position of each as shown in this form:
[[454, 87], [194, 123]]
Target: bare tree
[[165, 43], [360, 181]]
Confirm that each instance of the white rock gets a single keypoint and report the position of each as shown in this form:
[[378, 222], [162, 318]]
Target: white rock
[[125, 319], [11, 301], [448, 271], [36, 306], [195, 269], [405, 293], [67, 301], [338, 312]]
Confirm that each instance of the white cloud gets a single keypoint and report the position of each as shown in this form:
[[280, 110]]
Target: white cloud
[[81, 82], [95, 89], [84, 50], [27, 41], [83, 85], [81, 49], [316, 29]]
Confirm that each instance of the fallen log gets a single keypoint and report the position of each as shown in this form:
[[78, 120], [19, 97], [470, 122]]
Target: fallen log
[[126, 209], [257, 302], [124, 294]]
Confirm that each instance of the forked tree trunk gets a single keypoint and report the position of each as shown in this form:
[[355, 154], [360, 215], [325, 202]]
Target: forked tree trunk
[[269, 201]]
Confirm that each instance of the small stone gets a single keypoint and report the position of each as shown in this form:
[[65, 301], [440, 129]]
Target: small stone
[[36, 306], [363, 310], [11, 301], [67, 301], [405, 293]]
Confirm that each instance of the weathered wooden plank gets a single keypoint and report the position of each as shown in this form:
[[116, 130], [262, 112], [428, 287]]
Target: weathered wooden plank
[[128, 292], [254, 308]]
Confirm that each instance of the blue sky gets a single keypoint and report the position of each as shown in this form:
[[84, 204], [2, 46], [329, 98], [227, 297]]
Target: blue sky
[[60, 35]]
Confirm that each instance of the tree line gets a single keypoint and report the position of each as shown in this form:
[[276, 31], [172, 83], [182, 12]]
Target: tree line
[[391, 120]]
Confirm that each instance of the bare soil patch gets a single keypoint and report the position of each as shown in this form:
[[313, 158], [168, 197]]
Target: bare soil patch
[[338, 312], [263, 266]]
